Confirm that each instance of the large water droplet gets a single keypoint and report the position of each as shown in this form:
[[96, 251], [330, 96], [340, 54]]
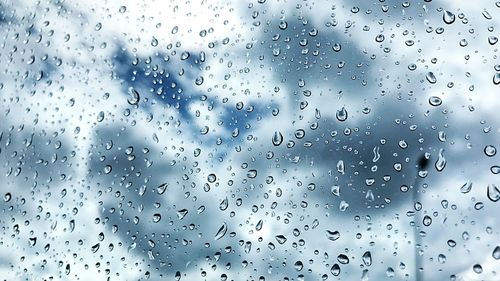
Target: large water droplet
[[367, 258], [332, 235], [277, 138], [466, 187], [493, 193], [441, 161], [133, 96], [496, 253], [448, 17], [221, 232], [431, 78], [281, 239], [341, 114]]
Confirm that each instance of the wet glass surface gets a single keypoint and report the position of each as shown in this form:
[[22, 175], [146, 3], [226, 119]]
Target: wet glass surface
[[249, 140]]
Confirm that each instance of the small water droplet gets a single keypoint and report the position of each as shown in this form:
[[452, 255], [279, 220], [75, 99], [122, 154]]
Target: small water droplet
[[466, 187]]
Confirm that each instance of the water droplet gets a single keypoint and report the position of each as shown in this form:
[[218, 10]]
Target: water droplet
[[277, 138], [211, 178], [223, 204], [221, 232], [100, 116], [466, 187], [492, 40], [281, 239], [431, 78], [367, 258], [182, 213], [154, 42], [259, 225], [448, 17], [252, 174], [493, 193], [7, 196], [341, 114], [441, 161], [477, 268], [95, 248], [435, 101], [133, 96], [343, 206], [490, 150], [162, 188], [487, 15], [496, 253], [427, 220], [496, 78], [335, 270], [343, 259], [108, 169], [156, 218], [298, 265], [332, 235]]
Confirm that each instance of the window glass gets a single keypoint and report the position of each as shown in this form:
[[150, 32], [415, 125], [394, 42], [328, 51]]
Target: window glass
[[249, 140]]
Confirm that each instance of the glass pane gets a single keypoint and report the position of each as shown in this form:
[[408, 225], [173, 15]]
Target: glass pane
[[249, 140]]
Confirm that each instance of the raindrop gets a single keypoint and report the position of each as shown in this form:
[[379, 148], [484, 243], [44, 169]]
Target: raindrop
[[490, 150], [182, 213], [496, 78], [496, 253], [435, 101], [211, 178], [156, 218], [162, 188], [335, 270], [332, 235], [343, 259], [277, 138], [7, 196], [281, 239], [493, 193], [466, 187], [448, 17], [223, 204], [341, 114], [367, 258], [441, 161], [427, 220], [133, 96], [431, 78], [221, 232]]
